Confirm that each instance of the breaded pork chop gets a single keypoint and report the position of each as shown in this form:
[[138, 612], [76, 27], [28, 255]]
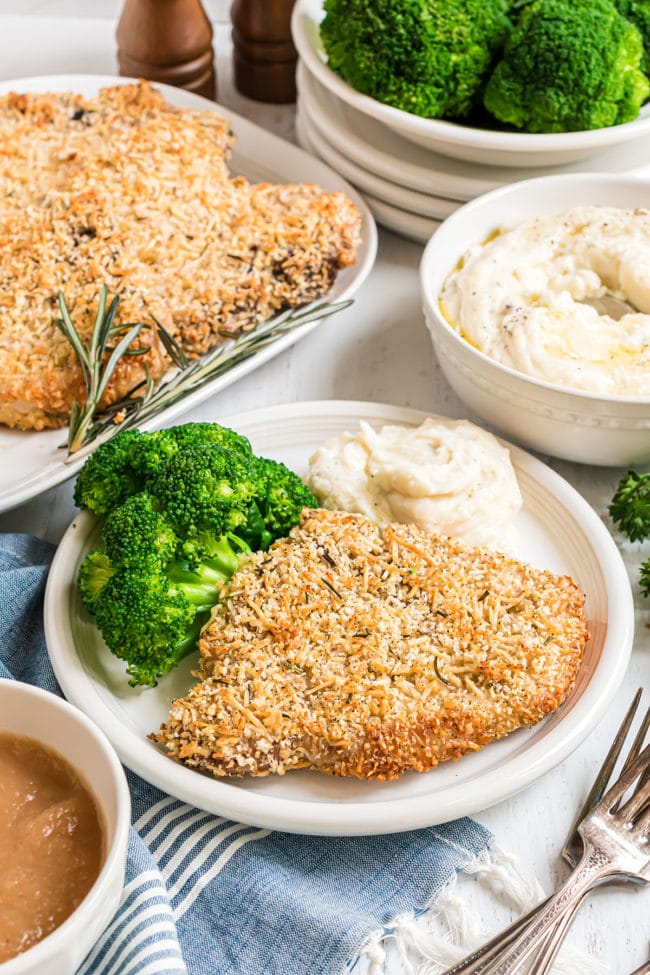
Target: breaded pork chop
[[125, 190], [368, 652]]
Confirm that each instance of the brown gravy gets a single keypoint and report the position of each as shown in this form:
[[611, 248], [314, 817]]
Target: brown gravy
[[51, 842]]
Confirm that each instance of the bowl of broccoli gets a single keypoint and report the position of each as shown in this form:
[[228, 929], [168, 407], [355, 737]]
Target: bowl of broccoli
[[502, 82]]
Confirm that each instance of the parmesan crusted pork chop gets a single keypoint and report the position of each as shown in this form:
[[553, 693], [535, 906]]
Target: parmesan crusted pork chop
[[368, 652], [127, 191]]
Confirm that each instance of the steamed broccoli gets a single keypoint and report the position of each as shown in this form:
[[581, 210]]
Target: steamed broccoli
[[109, 476], [147, 621], [200, 499], [136, 532], [638, 11], [569, 65], [428, 57], [149, 604], [207, 488], [284, 494], [94, 573], [157, 448], [121, 466]]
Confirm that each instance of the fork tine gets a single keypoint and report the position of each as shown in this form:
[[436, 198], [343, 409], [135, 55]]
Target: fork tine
[[614, 795], [628, 810], [638, 741], [602, 778], [634, 809]]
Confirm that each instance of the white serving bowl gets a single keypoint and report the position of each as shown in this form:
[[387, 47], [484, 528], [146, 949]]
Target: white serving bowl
[[37, 714], [449, 138], [579, 426]]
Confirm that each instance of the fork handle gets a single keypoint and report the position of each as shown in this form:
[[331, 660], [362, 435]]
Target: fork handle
[[544, 961], [593, 869], [479, 958], [477, 963]]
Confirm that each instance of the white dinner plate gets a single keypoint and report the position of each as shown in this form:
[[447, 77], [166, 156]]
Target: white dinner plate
[[374, 147], [33, 461], [556, 529], [424, 204], [476, 145], [419, 229]]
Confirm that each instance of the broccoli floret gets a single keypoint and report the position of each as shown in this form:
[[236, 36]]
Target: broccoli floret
[[274, 515], [135, 533], [193, 434], [569, 65], [150, 615], [147, 621], [150, 605], [207, 488], [155, 449], [122, 466], [109, 477], [203, 500], [94, 573], [427, 57], [638, 12]]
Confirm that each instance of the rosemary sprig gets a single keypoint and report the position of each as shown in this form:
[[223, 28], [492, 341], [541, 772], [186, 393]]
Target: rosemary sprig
[[148, 398], [96, 372]]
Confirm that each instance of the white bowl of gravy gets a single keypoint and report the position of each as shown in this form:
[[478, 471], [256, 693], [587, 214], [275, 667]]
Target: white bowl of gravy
[[65, 812]]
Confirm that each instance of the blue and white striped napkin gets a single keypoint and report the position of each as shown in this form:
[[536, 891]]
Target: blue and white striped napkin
[[207, 896]]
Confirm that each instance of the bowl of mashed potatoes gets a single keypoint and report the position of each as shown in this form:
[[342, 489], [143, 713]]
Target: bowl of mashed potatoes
[[537, 298], [65, 813]]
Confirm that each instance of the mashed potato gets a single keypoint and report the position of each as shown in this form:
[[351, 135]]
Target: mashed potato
[[447, 476], [532, 298]]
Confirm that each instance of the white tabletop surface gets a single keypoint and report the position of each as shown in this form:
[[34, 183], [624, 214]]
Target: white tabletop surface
[[378, 350]]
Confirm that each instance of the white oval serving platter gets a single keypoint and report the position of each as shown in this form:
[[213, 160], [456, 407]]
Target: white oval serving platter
[[34, 461]]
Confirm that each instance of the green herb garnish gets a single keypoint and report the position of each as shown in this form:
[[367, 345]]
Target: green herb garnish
[[630, 506], [90, 426]]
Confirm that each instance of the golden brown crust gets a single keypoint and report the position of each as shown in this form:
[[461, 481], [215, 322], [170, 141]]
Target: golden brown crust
[[127, 191], [368, 653]]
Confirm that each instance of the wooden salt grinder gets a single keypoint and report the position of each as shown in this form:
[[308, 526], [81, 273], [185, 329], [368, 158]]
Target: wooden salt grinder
[[168, 41], [264, 57]]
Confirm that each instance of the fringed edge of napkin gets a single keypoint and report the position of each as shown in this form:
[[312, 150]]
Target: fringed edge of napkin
[[445, 930]]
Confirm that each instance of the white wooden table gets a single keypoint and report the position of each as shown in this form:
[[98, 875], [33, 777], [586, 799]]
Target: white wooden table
[[378, 350]]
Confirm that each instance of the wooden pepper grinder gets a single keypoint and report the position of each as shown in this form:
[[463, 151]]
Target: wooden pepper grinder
[[264, 57], [168, 41]]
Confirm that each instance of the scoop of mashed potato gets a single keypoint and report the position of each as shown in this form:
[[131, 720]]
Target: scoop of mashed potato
[[446, 476]]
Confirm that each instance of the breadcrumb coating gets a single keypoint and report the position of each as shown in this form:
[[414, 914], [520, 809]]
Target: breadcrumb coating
[[125, 190], [368, 652]]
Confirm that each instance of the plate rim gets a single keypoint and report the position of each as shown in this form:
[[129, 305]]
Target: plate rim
[[402, 222], [375, 186], [315, 95], [56, 472], [362, 818]]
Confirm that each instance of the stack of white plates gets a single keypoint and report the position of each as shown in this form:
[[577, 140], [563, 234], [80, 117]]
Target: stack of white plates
[[411, 188]]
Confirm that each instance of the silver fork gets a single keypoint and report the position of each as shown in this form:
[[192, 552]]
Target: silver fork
[[573, 847], [616, 839], [478, 961]]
